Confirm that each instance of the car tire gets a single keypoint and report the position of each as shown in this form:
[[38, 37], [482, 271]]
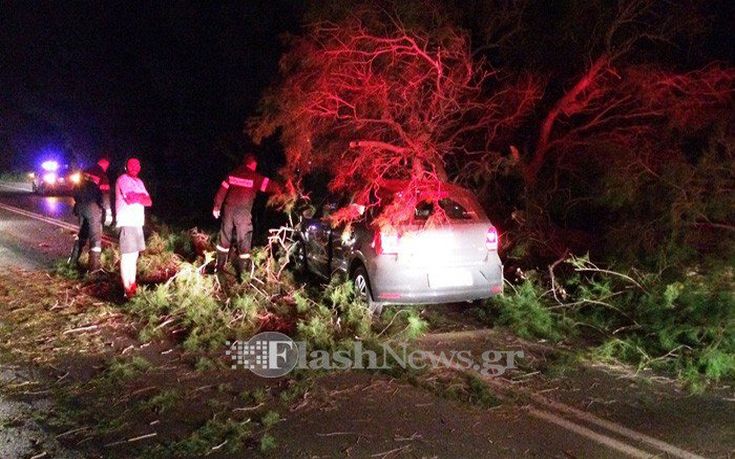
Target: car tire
[[361, 282]]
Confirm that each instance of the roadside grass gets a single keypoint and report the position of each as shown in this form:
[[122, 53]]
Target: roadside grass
[[114, 391], [684, 327], [164, 401], [209, 310]]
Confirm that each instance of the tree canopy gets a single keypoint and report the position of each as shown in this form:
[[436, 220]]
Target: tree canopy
[[431, 93]]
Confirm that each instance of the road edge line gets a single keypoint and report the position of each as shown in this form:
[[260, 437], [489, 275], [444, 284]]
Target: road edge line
[[561, 408], [601, 439]]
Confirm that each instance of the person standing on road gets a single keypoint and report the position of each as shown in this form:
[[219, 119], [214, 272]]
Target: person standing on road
[[131, 198], [90, 200], [234, 202]]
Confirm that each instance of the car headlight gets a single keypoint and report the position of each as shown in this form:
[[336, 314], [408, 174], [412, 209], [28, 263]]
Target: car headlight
[[50, 166], [49, 178]]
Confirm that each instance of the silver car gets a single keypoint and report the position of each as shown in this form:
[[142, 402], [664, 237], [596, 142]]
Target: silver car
[[455, 261]]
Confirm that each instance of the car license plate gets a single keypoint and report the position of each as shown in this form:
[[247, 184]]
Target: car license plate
[[450, 278]]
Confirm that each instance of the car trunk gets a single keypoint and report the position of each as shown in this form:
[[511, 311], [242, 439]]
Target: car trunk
[[457, 244]]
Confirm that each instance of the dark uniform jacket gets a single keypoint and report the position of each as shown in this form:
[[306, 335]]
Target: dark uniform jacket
[[240, 188], [94, 190]]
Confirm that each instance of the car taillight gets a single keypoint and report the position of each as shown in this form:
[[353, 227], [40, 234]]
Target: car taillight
[[385, 244], [491, 239]]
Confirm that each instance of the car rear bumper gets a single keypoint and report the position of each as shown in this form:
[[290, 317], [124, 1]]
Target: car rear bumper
[[392, 283]]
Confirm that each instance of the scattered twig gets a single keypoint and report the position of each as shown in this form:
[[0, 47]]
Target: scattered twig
[[413, 437], [385, 454], [215, 448], [551, 273], [164, 323], [390, 323], [73, 431], [81, 329], [249, 408], [334, 434], [131, 440]]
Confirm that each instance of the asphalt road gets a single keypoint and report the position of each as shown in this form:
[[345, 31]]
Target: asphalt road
[[27, 242], [590, 415]]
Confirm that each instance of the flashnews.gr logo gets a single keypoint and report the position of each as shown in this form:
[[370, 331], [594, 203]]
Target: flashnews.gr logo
[[273, 354], [267, 354]]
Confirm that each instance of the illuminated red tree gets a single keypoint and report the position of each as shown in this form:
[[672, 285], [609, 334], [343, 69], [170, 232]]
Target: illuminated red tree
[[368, 100], [615, 102]]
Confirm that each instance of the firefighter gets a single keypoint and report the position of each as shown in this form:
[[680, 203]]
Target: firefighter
[[234, 201], [90, 200]]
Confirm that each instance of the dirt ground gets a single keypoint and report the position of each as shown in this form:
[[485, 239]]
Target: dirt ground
[[76, 382]]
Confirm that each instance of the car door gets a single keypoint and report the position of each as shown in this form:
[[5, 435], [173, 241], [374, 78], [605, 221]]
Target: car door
[[318, 239]]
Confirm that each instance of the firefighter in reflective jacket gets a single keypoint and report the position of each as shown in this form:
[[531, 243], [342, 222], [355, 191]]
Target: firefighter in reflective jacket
[[234, 200], [90, 200]]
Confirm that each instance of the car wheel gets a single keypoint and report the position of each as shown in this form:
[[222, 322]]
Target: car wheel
[[362, 288]]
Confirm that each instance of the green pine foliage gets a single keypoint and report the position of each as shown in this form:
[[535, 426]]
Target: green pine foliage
[[683, 327], [210, 314]]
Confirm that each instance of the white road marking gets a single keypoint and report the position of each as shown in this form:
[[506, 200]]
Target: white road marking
[[591, 434], [613, 427], [15, 188], [586, 431]]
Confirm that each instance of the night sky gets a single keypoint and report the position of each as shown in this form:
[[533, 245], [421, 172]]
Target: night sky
[[172, 82]]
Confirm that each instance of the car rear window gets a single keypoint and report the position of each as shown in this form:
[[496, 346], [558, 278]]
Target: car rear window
[[453, 209]]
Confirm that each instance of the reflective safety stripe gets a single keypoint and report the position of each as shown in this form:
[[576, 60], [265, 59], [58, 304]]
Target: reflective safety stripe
[[237, 181], [244, 255], [264, 185], [96, 249], [222, 249], [225, 185]]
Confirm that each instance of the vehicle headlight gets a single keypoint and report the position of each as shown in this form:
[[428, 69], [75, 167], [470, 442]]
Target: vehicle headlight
[[76, 178], [50, 166], [49, 178]]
